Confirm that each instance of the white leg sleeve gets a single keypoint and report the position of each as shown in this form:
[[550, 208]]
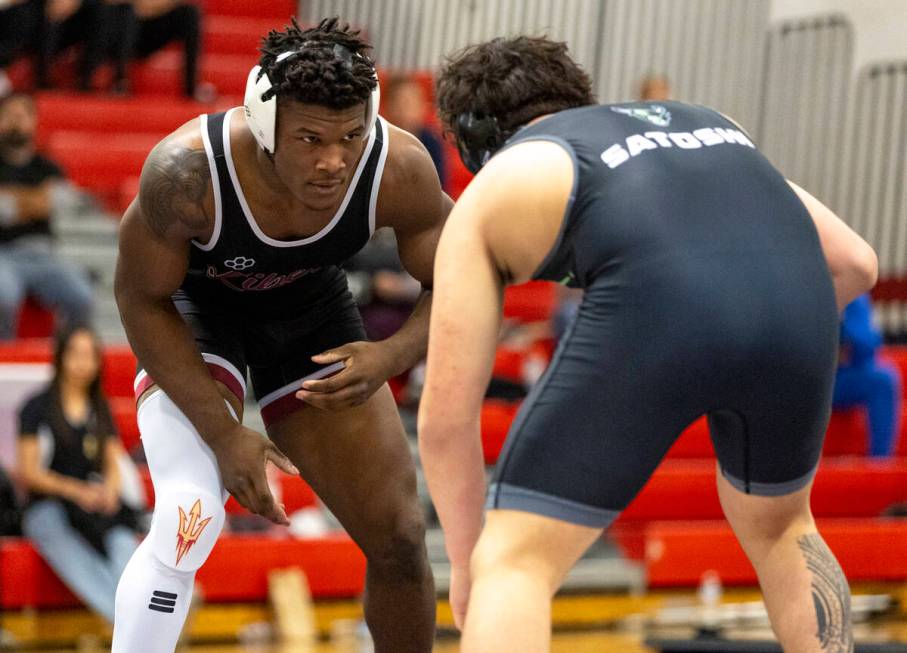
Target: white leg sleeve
[[155, 589]]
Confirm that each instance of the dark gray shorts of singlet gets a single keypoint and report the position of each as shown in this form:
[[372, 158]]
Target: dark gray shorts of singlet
[[626, 379], [275, 353]]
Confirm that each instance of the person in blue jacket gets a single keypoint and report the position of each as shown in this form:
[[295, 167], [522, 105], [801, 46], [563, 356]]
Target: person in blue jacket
[[863, 380]]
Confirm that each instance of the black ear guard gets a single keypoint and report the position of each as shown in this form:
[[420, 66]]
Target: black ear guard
[[478, 138]]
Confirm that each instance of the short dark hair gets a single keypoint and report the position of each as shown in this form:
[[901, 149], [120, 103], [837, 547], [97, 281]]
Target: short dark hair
[[318, 75], [513, 79]]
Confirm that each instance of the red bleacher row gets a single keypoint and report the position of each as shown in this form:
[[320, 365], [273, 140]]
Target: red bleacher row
[[236, 571], [101, 143], [678, 553]]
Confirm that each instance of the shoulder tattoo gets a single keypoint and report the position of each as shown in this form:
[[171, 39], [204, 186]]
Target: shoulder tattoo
[[173, 187]]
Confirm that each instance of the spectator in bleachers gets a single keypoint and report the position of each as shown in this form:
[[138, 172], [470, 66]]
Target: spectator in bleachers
[[139, 28], [655, 88], [67, 23], [407, 106], [864, 380], [29, 189], [68, 460], [19, 20], [385, 292]]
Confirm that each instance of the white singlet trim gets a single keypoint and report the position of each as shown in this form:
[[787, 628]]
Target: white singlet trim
[[296, 385], [215, 186], [379, 171], [262, 236], [220, 361]]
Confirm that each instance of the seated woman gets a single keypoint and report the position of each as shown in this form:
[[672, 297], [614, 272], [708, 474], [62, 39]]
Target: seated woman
[[68, 460]]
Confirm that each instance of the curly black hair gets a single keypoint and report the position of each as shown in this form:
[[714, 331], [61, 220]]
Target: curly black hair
[[330, 68], [513, 79]]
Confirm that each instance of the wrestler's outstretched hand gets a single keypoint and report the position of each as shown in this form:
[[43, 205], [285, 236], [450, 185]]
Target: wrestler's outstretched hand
[[366, 367], [242, 455]]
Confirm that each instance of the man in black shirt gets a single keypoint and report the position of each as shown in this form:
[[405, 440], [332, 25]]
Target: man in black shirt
[[19, 22], [28, 265], [63, 24], [139, 28]]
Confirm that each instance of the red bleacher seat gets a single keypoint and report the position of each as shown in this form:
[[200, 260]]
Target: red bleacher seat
[[678, 553], [896, 355], [296, 494], [508, 363], [237, 35], [238, 567], [236, 570], [530, 302], [398, 385], [119, 371], [496, 418], [20, 73], [846, 436], [123, 409], [35, 321], [694, 442], [162, 73], [282, 9], [27, 581], [685, 489], [100, 169], [458, 177], [107, 115], [129, 190], [119, 362], [29, 350]]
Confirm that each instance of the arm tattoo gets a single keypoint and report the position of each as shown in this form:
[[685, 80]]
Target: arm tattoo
[[173, 187], [831, 595]]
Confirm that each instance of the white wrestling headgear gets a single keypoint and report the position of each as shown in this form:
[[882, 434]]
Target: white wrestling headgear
[[260, 101]]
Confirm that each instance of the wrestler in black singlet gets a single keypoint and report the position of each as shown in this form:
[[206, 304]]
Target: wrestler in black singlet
[[706, 292], [270, 305]]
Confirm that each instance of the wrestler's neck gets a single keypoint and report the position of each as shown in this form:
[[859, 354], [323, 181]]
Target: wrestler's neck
[[538, 119]]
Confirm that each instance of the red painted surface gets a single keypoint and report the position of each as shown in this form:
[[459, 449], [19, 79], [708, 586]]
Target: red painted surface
[[237, 570], [678, 553]]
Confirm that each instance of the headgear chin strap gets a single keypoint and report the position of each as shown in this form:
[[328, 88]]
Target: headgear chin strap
[[478, 138], [260, 101]]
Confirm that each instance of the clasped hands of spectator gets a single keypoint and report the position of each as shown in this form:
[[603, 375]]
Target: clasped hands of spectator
[[94, 496]]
